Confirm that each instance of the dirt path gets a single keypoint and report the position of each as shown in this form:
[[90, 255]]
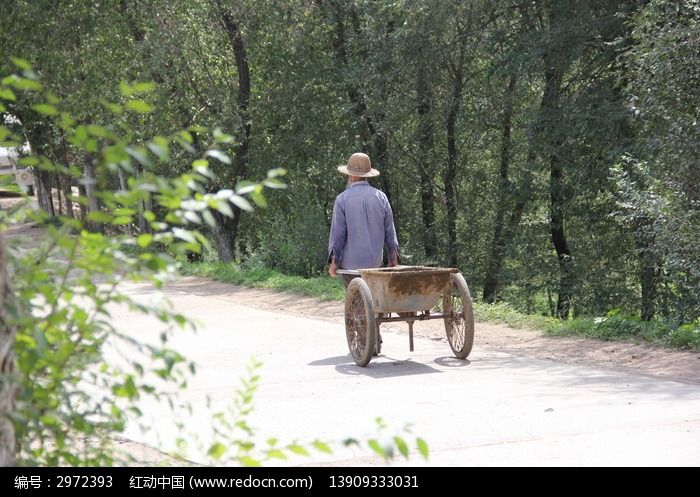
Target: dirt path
[[619, 356]]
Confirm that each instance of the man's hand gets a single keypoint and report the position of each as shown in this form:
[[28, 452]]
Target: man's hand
[[394, 260], [332, 269]]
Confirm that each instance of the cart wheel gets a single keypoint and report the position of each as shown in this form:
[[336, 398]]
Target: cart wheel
[[360, 326], [460, 325]]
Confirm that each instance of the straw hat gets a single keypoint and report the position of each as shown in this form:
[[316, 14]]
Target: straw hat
[[359, 165]]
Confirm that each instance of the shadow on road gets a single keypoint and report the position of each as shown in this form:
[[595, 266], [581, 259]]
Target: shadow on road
[[332, 361], [380, 367], [452, 362]]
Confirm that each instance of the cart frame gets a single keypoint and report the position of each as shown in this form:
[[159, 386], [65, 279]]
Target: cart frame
[[412, 293]]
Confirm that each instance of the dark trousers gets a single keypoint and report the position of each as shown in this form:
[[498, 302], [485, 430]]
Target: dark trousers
[[347, 278]]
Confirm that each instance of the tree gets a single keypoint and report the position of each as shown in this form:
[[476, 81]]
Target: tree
[[227, 228], [661, 176]]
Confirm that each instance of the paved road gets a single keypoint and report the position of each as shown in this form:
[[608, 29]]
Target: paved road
[[495, 409]]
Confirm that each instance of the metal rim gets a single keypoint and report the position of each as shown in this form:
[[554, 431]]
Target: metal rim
[[456, 324], [360, 327], [459, 326], [356, 325]]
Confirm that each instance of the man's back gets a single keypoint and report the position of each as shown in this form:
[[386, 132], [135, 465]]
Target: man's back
[[362, 225]]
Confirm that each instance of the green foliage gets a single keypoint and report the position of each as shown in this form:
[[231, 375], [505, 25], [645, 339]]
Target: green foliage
[[616, 326], [72, 400], [293, 244], [388, 446], [234, 437], [233, 433], [502, 312], [686, 336], [661, 177]]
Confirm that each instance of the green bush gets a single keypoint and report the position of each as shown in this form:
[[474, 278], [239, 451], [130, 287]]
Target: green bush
[[502, 312], [616, 326], [686, 336]]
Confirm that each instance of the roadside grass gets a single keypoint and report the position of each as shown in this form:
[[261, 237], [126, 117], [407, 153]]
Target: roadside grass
[[322, 288], [616, 326], [613, 327], [504, 313]]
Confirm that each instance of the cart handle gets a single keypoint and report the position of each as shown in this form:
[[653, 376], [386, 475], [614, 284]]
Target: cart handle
[[351, 272]]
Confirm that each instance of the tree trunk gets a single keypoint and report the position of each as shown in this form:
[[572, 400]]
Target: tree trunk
[[228, 229], [456, 67], [37, 136], [425, 144], [91, 185], [555, 62], [8, 387], [143, 205], [556, 207], [66, 184], [59, 194], [649, 274], [225, 234], [143, 224], [90, 181], [499, 242], [42, 184], [83, 209], [451, 170], [122, 180], [450, 200], [649, 267], [381, 159]]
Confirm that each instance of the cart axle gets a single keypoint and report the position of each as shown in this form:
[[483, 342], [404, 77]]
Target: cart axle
[[420, 317]]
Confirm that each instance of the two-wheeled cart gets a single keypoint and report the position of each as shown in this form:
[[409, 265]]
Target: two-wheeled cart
[[406, 293]]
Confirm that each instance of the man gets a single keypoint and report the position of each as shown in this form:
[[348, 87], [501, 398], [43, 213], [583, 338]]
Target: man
[[363, 222]]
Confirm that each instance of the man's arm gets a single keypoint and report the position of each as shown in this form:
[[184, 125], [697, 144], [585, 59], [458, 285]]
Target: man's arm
[[390, 238], [336, 239]]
